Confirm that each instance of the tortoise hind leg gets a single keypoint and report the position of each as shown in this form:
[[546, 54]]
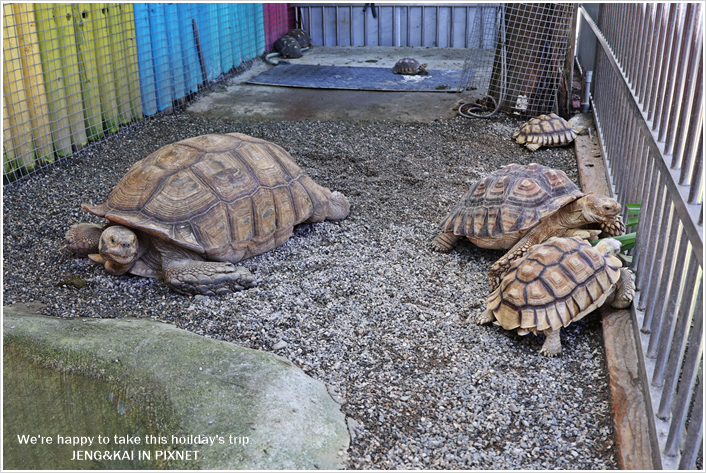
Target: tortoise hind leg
[[444, 242], [552, 343], [82, 239], [335, 208]]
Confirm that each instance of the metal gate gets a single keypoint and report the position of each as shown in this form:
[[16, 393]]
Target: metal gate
[[648, 104]]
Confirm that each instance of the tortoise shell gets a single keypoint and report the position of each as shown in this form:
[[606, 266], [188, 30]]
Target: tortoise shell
[[409, 66], [499, 209], [555, 283], [227, 196], [287, 46], [301, 36], [545, 130]]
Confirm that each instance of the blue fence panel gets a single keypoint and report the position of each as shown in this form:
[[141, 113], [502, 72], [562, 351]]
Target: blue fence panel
[[226, 35], [182, 45], [144, 59], [190, 57], [174, 39]]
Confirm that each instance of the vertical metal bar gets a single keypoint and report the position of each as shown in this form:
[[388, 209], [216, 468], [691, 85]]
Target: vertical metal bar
[[365, 25], [667, 293], [647, 253], [350, 25], [467, 33], [695, 431], [696, 185], [670, 80], [656, 311], [408, 28], [378, 25], [323, 25], [421, 40], [678, 346], [308, 12], [692, 117], [685, 386], [657, 270], [437, 34], [635, 45], [653, 54], [338, 42], [680, 85], [658, 87], [394, 26], [644, 50], [451, 29]]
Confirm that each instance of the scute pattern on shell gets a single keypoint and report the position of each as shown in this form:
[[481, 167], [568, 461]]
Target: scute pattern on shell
[[554, 284], [497, 210], [546, 130], [215, 194]]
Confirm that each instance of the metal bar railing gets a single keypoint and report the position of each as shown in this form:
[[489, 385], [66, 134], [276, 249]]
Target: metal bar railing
[[647, 100]]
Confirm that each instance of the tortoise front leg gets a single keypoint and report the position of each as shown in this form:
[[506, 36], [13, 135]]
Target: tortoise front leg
[[501, 266], [82, 239], [208, 278]]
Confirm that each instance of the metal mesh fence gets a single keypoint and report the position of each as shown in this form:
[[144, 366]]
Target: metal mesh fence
[[516, 54], [74, 73]]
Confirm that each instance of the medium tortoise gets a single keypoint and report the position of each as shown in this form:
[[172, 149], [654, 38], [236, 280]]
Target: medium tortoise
[[288, 47], [409, 66], [190, 210], [518, 206], [301, 36], [547, 130], [558, 282]]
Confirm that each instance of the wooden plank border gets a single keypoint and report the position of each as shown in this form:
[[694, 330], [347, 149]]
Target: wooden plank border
[[637, 448]]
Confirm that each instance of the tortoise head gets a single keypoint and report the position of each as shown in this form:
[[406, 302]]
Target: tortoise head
[[119, 247], [600, 209]]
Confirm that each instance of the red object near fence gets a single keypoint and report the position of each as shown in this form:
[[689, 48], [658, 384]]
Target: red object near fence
[[278, 18]]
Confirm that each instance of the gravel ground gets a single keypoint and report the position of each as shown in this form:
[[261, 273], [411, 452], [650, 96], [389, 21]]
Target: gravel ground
[[363, 305]]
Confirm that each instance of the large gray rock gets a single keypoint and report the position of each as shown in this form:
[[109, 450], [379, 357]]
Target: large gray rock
[[196, 386]]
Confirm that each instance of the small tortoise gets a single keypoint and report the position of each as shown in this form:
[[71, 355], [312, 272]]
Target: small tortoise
[[558, 282], [190, 210], [409, 66], [549, 131], [518, 206], [301, 36], [288, 47]]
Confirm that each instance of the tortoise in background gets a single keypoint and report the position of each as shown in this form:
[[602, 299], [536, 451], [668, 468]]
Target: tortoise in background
[[287, 46], [518, 207], [190, 210], [409, 66], [549, 131], [558, 282], [301, 36]]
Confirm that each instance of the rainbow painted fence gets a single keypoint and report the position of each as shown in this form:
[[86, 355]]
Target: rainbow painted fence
[[76, 72]]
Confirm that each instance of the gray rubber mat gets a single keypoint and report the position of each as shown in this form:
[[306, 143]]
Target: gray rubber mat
[[357, 78]]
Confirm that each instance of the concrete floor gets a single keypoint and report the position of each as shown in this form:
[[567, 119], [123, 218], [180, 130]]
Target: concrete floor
[[237, 100]]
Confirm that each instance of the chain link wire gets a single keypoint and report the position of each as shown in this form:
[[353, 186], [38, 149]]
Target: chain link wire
[[516, 54], [77, 73]]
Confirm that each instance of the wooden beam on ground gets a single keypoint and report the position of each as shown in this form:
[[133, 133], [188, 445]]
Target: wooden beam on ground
[[632, 413]]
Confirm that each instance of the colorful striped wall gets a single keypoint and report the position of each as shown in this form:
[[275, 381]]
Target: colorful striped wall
[[74, 72]]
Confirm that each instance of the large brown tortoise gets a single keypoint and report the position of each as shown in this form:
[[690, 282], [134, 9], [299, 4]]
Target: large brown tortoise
[[518, 207], [191, 210], [558, 282]]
